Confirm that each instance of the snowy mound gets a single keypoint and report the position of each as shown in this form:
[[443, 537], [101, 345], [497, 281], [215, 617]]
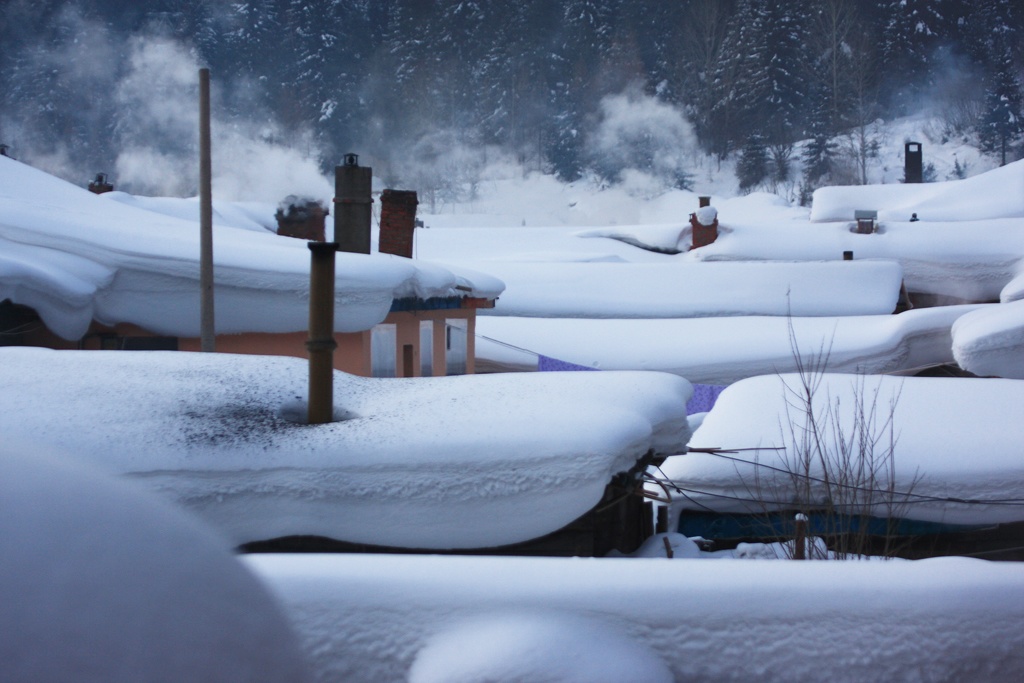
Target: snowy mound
[[530, 647], [76, 257], [1014, 290], [102, 582], [395, 618], [690, 290], [968, 471], [448, 462], [995, 194], [990, 341], [723, 350]]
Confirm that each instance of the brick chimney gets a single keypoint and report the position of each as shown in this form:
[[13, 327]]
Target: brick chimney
[[302, 218], [397, 222], [704, 223], [100, 185]]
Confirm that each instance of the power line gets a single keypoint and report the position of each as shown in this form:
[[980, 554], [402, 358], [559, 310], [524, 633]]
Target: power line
[[908, 497]]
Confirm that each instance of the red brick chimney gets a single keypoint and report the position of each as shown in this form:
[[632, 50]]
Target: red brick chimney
[[302, 218], [397, 222], [704, 223]]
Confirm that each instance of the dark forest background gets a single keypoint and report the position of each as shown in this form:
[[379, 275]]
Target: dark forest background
[[751, 77]]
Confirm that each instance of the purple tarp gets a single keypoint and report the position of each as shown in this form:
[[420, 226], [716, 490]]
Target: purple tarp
[[704, 395]]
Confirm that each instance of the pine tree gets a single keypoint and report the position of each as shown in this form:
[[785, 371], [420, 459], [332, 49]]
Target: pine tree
[[784, 34], [752, 165], [820, 151], [733, 85], [913, 30], [576, 60], [1002, 123], [327, 42], [701, 34]]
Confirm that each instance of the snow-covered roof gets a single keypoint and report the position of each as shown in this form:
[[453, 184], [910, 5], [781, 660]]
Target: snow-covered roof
[[77, 257], [691, 290], [955, 445], [626, 307], [723, 350], [990, 341], [995, 194], [461, 619], [447, 462]]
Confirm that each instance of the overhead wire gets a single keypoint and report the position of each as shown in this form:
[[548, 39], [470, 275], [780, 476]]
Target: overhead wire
[[903, 497]]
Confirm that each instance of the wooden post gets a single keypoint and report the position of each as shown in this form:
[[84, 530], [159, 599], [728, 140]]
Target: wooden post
[[321, 343], [800, 538], [206, 318], [662, 525]]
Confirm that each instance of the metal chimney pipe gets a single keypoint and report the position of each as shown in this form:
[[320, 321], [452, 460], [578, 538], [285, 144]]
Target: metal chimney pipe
[[206, 318], [913, 163], [321, 343], [353, 200]]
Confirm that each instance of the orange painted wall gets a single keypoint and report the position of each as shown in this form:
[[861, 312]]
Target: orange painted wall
[[352, 354]]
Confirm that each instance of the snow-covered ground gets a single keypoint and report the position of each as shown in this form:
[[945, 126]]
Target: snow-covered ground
[[102, 582], [456, 620]]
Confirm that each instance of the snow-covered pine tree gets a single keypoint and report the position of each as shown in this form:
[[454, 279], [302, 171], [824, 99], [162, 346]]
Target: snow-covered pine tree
[[515, 109], [820, 151], [327, 42], [912, 32], [701, 34], [785, 36], [734, 84], [1002, 124], [752, 165], [587, 31]]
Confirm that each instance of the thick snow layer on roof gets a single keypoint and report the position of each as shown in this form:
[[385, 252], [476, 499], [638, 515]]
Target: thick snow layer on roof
[[954, 438], [995, 194], [390, 618], [990, 341], [968, 248], [723, 350], [103, 582], [452, 462], [245, 215], [1014, 290], [968, 261], [75, 256], [685, 290]]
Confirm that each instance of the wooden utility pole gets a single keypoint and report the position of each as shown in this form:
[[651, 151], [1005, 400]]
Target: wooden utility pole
[[206, 324]]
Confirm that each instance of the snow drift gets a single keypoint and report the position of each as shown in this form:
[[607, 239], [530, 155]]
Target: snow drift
[[388, 618]]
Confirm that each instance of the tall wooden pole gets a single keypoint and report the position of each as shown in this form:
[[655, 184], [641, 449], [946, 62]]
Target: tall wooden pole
[[206, 324]]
